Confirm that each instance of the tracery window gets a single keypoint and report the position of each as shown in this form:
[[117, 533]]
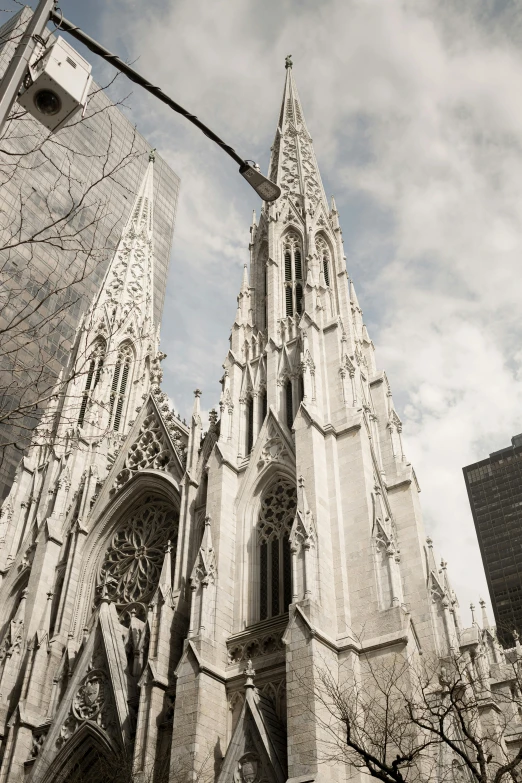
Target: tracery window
[[293, 275], [93, 376], [120, 383], [278, 509], [323, 255], [132, 563]]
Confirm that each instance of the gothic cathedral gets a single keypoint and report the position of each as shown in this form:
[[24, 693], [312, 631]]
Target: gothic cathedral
[[166, 595]]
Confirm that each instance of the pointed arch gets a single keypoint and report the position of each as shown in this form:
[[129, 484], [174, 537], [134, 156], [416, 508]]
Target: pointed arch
[[95, 366], [276, 517], [88, 755], [121, 381], [118, 537], [324, 258]]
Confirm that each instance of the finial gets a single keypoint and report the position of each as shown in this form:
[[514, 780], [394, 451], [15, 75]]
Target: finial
[[429, 542], [168, 548], [212, 417], [105, 588], [301, 481], [152, 155], [249, 674], [485, 618], [197, 393], [288, 61], [443, 564], [472, 607]]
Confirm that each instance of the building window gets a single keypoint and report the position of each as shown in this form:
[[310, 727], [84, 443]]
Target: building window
[[264, 406], [293, 275], [323, 255], [120, 383], [250, 424], [278, 509], [301, 389], [289, 403], [93, 376]]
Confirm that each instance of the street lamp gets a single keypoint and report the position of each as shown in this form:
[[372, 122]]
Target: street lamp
[[18, 67]]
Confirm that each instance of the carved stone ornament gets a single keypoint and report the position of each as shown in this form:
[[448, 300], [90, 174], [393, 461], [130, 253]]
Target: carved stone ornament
[[278, 509], [273, 451], [248, 768], [89, 699], [132, 564], [150, 450], [92, 701], [264, 644]]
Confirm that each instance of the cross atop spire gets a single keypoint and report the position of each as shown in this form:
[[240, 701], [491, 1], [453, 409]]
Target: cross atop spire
[[293, 164]]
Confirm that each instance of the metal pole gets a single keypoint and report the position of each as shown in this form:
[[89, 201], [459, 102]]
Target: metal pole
[[12, 78]]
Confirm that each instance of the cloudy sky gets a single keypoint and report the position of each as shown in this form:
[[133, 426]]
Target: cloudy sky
[[416, 113]]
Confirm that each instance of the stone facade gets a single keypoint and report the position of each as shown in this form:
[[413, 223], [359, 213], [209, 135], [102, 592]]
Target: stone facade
[[149, 571]]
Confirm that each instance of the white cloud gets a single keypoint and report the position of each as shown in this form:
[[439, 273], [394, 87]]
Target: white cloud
[[417, 124]]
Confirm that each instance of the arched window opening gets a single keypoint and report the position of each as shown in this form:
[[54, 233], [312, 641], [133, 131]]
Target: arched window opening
[[132, 563], [323, 255], [301, 389], [299, 298], [289, 402], [278, 509], [264, 406], [250, 425], [120, 381], [93, 376], [293, 275]]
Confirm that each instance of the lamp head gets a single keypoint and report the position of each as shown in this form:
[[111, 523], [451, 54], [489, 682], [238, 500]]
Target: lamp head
[[263, 186]]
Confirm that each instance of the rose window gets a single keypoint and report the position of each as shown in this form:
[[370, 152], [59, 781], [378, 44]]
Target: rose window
[[132, 564]]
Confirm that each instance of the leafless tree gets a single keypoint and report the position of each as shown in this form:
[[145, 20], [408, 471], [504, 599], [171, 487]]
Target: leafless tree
[[423, 719], [59, 223]]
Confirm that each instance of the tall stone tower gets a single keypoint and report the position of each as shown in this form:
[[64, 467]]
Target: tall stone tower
[[72, 573], [318, 544], [169, 597]]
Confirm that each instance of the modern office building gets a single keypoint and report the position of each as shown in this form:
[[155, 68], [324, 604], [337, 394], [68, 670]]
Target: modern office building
[[495, 494], [64, 199]]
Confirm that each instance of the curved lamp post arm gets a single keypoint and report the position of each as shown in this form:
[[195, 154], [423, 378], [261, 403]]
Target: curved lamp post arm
[[264, 187]]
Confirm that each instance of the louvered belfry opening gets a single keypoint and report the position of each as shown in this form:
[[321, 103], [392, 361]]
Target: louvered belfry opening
[[250, 424], [278, 509], [93, 376], [120, 383], [289, 403], [293, 283]]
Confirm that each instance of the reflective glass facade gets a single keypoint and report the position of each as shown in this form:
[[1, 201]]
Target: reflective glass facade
[[64, 199], [495, 494]]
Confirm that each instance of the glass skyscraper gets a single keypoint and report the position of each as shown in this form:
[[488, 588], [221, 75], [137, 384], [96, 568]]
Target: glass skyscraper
[[495, 494], [64, 199]]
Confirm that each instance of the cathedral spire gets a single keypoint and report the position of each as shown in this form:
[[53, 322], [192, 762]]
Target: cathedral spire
[[128, 282], [293, 164]]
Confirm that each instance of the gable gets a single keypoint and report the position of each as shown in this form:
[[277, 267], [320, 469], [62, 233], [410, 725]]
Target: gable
[[156, 441], [257, 750], [95, 696]]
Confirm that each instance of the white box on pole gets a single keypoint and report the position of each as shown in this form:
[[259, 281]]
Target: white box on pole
[[56, 85]]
